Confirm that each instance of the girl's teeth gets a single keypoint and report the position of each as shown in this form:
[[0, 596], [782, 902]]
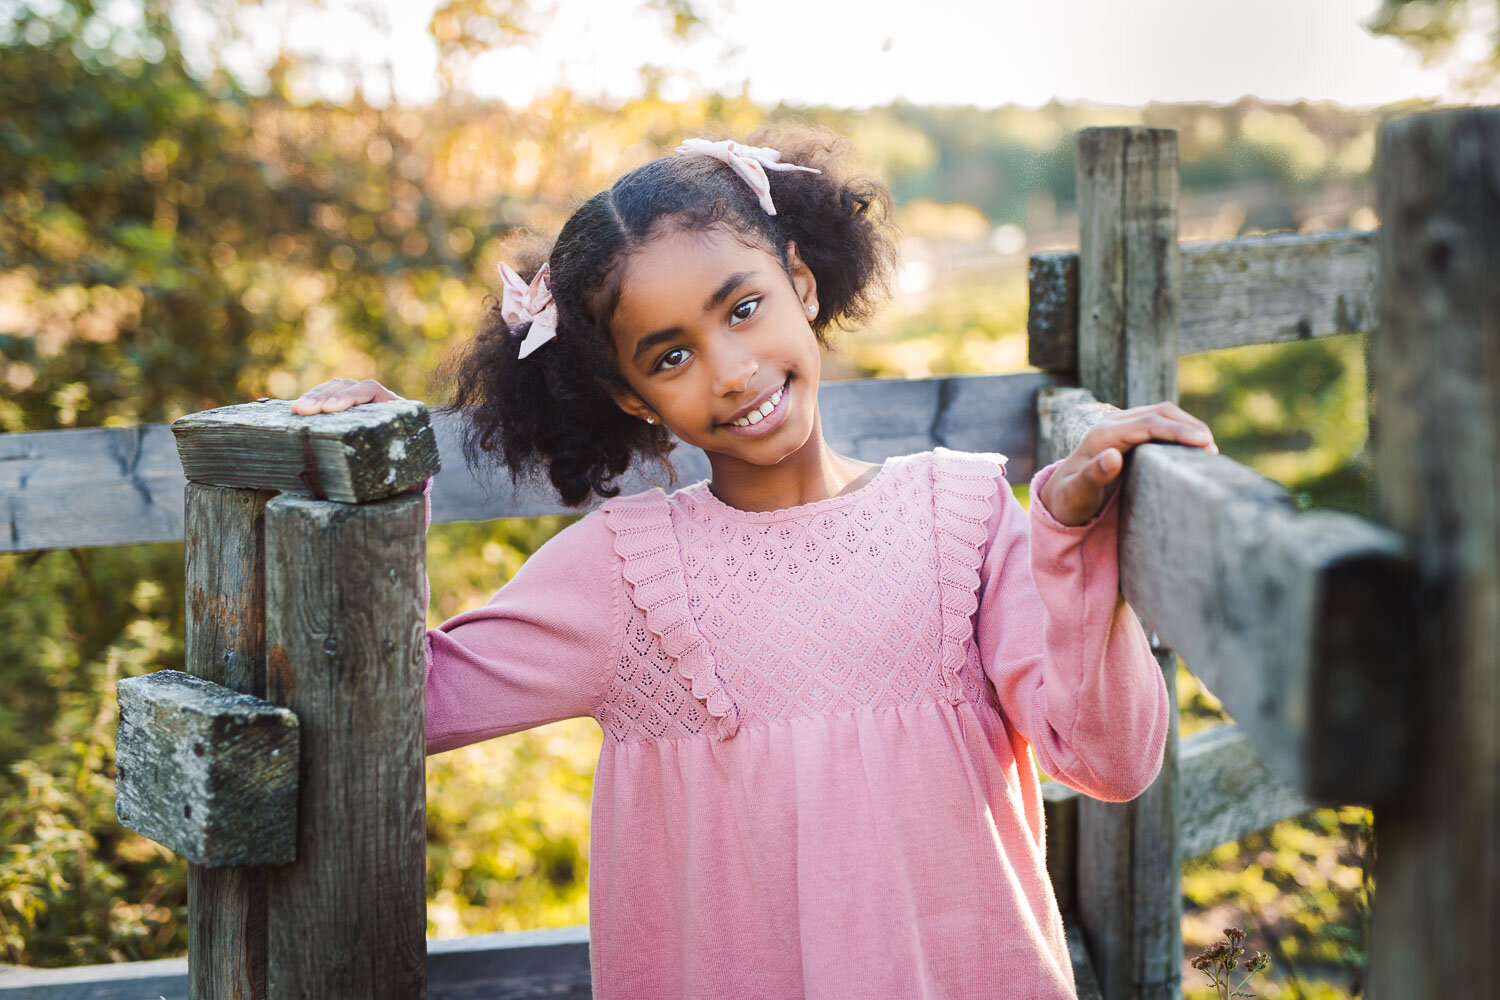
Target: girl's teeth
[[756, 416]]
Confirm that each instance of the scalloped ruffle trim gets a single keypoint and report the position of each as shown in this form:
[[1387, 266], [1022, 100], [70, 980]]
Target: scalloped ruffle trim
[[963, 487], [644, 540]]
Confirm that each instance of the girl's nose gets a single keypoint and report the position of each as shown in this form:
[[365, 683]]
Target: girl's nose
[[738, 380]]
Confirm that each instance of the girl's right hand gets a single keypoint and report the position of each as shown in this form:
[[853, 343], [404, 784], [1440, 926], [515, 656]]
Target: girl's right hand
[[339, 394]]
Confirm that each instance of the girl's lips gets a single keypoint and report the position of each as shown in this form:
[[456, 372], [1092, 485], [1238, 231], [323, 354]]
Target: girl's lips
[[770, 421]]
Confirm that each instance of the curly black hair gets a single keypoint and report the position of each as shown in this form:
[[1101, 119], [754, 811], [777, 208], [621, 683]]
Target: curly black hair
[[554, 410]]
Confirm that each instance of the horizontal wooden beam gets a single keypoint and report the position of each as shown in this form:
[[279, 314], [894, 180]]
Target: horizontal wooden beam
[[356, 455], [1302, 624], [97, 486], [503, 966], [121, 486], [1227, 792], [1254, 290], [551, 963], [207, 771]]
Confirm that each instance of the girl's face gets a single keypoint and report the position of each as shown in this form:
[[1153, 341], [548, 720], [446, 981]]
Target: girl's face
[[708, 329]]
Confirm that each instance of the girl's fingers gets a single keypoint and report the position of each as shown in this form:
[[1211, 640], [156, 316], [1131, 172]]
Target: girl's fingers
[[1173, 410], [345, 398], [337, 395], [1150, 424], [315, 399]]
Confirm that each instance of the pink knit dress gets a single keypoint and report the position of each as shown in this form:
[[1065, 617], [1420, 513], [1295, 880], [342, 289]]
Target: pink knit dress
[[816, 776]]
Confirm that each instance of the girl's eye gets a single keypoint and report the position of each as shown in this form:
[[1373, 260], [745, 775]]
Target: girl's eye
[[661, 367], [743, 311]]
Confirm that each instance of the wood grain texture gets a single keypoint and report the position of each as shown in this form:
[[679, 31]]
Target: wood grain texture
[[1301, 623], [205, 771], [1227, 791], [1277, 288], [362, 453], [224, 578], [225, 585], [113, 487], [106, 486], [344, 634], [1129, 279], [1129, 264], [1435, 427], [1052, 311]]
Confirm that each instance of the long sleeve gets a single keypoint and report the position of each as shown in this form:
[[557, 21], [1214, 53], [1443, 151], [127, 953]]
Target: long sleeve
[[1065, 652], [542, 649]]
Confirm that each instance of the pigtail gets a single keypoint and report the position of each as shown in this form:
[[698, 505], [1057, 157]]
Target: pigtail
[[546, 413], [842, 225]]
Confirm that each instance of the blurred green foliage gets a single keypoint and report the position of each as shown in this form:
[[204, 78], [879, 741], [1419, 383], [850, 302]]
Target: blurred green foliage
[[171, 242], [1463, 36], [75, 887]]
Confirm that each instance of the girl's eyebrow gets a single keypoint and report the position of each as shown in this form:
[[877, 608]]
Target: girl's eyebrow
[[732, 282], [650, 340]]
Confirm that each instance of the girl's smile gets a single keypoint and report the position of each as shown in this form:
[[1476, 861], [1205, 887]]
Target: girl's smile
[[765, 416]]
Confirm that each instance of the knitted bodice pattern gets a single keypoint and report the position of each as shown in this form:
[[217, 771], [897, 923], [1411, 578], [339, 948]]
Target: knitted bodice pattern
[[864, 600]]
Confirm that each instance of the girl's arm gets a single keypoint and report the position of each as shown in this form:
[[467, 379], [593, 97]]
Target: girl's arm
[[1068, 658], [544, 648]]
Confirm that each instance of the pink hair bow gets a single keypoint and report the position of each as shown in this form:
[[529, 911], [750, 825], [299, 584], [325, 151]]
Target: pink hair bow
[[522, 303], [750, 162]]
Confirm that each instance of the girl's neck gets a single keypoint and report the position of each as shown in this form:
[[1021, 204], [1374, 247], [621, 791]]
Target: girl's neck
[[813, 472]]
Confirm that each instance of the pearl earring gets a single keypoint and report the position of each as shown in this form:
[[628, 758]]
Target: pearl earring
[[812, 310]]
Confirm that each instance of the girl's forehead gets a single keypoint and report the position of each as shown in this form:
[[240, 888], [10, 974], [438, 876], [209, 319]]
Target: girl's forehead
[[677, 272], [677, 254]]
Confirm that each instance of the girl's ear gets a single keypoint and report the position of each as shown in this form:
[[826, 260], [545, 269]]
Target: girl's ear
[[803, 282], [630, 403]]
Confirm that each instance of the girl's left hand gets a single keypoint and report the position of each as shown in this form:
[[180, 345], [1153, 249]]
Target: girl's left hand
[[1077, 490]]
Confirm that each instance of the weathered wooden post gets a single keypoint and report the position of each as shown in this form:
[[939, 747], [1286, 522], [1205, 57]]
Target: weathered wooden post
[[1129, 868], [313, 602], [225, 583], [1435, 427]]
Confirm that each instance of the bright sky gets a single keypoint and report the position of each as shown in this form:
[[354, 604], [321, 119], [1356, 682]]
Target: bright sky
[[991, 52]]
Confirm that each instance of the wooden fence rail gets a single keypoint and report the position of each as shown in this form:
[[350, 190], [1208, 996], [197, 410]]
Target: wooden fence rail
[[1299, 622], [1358, 660], [1254, 290], [124, 485]]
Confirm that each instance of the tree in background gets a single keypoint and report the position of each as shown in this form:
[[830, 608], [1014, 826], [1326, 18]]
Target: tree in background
[[1461, 35]]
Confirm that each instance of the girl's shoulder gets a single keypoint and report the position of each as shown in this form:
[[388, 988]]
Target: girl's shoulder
[[583, 546]]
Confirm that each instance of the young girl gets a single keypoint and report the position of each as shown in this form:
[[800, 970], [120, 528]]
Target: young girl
[[820, 680]]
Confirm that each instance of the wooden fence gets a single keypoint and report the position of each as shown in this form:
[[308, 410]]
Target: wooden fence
[[1359, 660]]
